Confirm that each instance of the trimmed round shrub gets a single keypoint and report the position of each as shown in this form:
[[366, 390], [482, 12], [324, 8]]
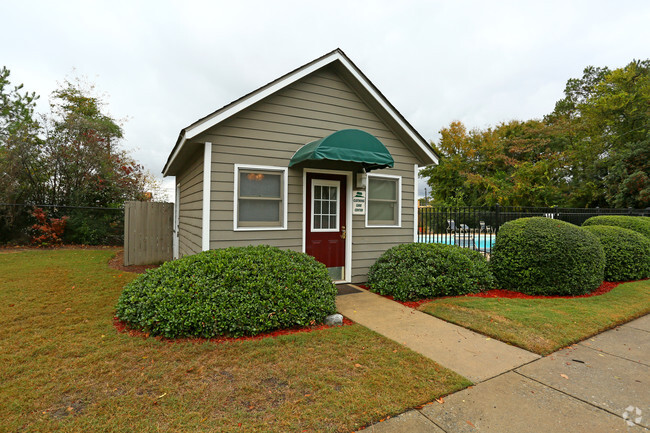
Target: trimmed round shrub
[[232, 291], [627, 253], [635, 223], [543, 256], [410, 272]]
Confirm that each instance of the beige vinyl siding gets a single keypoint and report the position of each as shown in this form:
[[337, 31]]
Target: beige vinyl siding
[[269, 132], [190, 215]]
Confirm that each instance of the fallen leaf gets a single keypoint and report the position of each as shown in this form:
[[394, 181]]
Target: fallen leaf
[[565, 376], [468, 422], [357, 365], [440, 400]]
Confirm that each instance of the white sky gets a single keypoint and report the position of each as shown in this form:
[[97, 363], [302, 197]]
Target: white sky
[[165, 64]]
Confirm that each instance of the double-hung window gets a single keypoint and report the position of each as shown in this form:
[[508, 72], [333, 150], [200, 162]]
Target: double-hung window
[[260, 198], [384, 198]]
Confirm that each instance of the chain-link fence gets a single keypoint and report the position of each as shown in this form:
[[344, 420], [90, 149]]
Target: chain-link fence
[[85, 225]]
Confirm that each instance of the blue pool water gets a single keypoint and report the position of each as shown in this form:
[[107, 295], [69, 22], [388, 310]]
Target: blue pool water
[[482, 242]]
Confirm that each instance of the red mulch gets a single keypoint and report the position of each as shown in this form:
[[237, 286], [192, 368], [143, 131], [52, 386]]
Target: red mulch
[[605, 287], [124, 328], [117, 263]]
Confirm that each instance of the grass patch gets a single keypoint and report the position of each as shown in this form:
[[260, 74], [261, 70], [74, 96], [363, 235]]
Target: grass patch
[[545, 325], [63, 366]]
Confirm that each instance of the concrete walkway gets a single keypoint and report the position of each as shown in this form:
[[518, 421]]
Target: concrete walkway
[[599, 385], [469, 354]]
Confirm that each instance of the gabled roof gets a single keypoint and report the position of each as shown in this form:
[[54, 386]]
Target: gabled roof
[[353, 73]]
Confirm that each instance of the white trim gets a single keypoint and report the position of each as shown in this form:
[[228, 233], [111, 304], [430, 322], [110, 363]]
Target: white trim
[[256, 96], [177, 218], [207, 189], [323, 182], [348, 216], [285, 196], [399, 200], [416, 185]]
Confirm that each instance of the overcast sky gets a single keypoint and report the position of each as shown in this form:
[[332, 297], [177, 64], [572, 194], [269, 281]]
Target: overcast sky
[[164, 65]]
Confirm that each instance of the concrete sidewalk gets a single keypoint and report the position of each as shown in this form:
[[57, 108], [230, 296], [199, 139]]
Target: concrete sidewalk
[[599, 385], [469, 354]]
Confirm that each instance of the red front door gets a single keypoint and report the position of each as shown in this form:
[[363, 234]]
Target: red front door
[[325, 225]]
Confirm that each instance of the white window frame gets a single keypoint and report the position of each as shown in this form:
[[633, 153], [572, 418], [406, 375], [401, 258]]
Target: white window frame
[[323, 182], [284, 171], [399, 200]]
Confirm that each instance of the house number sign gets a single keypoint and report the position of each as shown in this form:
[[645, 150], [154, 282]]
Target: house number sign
[[359, 202]]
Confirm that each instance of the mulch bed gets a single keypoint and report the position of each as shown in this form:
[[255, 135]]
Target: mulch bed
[[605, 287], [117, 263], [123, 328]]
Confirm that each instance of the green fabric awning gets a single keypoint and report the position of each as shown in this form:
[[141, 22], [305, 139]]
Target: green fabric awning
[[351, 145]]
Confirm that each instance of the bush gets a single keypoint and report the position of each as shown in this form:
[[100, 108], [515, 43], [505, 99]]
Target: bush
[[543, 256], [232, 291], [417, 271], [627, 253], [638, 224]]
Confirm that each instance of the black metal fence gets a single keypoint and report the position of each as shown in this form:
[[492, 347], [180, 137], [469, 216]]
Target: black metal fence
[[476, 227], [85, 224]]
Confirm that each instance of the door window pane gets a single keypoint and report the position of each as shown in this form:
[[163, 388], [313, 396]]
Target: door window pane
[[325, 207]]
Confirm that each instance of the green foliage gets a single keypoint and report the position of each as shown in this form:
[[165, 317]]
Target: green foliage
[[515, 163], [637, 224], [418, 271], [592, 150], [542, 256], [608, 112], [232, 291], [94, 227], [20, 147], [627, 253]]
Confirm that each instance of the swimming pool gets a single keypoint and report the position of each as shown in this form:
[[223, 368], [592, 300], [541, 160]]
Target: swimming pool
[[483, 242]]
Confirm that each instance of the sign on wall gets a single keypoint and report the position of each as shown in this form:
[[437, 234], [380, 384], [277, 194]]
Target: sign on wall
[[359, 202]]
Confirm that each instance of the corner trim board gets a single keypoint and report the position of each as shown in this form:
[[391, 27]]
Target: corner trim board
[[207, 188]]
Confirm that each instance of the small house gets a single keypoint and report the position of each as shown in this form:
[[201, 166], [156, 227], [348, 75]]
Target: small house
[[317, 161]]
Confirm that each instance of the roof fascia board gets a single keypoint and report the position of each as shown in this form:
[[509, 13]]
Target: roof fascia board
[[386, 106], [195, 130]]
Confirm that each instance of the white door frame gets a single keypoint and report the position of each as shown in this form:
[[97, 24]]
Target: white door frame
[[348, 216]]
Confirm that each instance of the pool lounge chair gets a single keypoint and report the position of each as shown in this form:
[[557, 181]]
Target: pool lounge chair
[[483, 228], [451, 227]]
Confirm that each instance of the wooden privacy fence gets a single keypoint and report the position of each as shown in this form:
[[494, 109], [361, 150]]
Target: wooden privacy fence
[[148, 232]]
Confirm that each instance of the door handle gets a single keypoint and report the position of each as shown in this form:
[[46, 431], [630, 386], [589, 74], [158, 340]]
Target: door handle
[[343, 232]]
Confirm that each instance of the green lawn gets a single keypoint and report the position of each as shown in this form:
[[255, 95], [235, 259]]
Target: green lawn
[[64, 367], [545, 325]]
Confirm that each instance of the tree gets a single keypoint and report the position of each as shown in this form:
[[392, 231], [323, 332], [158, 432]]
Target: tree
[[609, 114], [20, 145], [515, 163], [87, 166], [592, 150]]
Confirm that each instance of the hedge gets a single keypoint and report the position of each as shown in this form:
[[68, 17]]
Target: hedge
[[627, 253], [417, 271], [543, 256], [234, 291], [635, 223]]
